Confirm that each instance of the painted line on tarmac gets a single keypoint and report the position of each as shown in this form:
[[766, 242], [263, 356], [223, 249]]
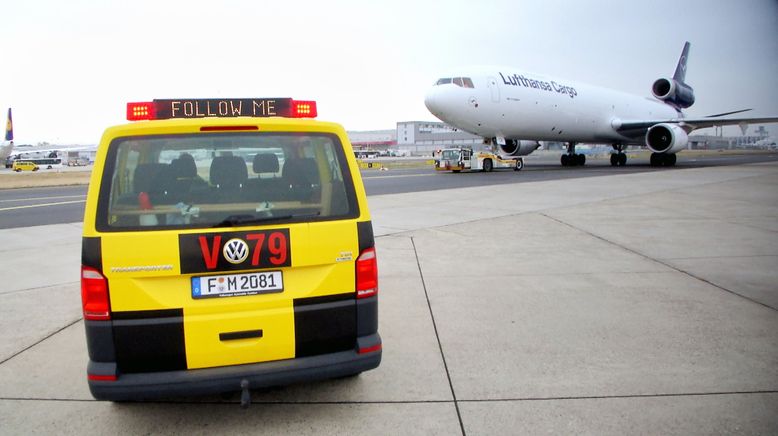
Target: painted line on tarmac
[[396, 176], [661, 262], [42, 205], [42, 198]]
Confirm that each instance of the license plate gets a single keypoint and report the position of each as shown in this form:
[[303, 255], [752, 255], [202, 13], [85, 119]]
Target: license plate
[[235, 285]]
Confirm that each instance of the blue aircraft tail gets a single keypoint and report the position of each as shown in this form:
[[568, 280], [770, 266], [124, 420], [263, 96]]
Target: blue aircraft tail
[[680, 70], [9, 127]]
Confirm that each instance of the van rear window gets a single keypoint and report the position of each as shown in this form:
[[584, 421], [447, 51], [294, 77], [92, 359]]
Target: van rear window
[[224, 180]]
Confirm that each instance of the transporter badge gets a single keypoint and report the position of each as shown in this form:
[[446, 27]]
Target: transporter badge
[[235, 251]]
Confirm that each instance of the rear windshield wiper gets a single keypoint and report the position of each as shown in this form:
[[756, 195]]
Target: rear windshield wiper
[[240, 220]]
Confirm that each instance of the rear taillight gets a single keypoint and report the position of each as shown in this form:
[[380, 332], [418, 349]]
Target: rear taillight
[[94, 295], [367, 273]]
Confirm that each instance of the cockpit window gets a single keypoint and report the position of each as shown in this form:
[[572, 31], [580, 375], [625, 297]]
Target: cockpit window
[[464, 82]]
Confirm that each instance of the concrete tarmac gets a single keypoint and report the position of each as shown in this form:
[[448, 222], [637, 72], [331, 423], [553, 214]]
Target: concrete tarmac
[[625, 304]]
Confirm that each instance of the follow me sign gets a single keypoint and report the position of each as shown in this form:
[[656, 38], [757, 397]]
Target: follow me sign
[[228, 107]]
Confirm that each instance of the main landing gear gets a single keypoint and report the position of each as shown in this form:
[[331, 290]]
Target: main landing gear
[[662, 159], [571, 159], [619, 158]]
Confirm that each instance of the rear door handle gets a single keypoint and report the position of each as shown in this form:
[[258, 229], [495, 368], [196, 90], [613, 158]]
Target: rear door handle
[[246, 334]]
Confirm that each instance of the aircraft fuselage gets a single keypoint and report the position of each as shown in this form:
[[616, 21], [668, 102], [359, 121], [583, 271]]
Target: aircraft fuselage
[[510, 103]]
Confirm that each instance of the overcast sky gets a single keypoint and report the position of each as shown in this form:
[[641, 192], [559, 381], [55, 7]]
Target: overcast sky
[[69, 67]]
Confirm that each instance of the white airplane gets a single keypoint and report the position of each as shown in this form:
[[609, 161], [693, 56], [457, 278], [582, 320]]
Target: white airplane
[[515, 109]]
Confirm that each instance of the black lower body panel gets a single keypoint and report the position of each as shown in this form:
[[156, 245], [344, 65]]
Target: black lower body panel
[[228, 378], [142, 354], [324, 324], [149, 340]]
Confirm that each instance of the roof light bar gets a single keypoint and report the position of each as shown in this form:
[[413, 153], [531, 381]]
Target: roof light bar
[[303, 109], [141, 111]]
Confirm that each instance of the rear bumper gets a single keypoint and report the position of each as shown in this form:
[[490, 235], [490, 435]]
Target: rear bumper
[[140, 386]]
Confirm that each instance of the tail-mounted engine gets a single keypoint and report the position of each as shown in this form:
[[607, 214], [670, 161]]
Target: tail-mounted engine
[[673, 92]]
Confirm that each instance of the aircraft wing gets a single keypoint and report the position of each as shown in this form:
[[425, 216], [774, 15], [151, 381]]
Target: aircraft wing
[[688, 124]]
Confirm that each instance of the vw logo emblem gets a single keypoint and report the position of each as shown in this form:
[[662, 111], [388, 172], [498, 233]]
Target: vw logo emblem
[[235, 251]]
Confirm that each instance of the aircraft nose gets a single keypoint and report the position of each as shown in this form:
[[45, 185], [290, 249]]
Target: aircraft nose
[[432, 100]]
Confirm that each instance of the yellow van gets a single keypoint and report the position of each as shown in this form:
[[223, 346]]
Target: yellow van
[[22, 165], [227, 246]]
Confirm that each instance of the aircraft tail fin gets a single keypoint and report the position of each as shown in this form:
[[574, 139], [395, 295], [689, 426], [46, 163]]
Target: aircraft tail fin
[[680, 69], [9, 127], [6, 150]]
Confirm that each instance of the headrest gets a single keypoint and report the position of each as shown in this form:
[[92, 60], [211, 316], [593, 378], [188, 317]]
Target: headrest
[[265, 163], [144, 176], [184, 166], [228, 171]]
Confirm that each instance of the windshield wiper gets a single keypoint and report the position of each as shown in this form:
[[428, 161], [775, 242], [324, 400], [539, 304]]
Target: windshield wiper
[[240, 220]]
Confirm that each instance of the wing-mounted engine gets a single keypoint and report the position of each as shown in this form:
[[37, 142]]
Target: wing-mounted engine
[[673, 92], [514, 147], [666, 138]]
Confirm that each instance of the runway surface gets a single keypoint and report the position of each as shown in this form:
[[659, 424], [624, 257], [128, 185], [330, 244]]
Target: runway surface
[[65, 204]]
